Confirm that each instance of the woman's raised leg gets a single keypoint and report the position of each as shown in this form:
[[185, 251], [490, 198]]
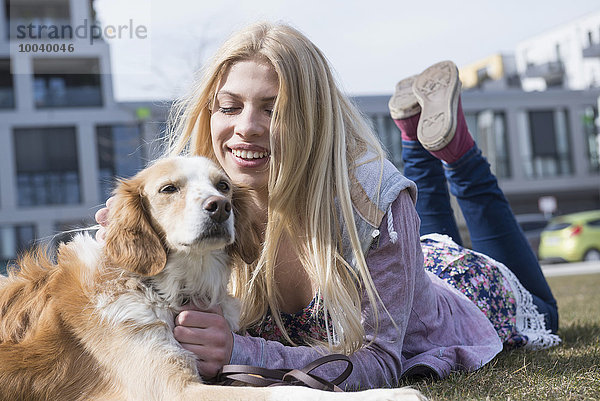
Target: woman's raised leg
[[433, 200], [492, 226]]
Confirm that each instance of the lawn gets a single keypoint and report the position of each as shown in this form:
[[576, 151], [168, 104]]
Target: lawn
[[570, 371]]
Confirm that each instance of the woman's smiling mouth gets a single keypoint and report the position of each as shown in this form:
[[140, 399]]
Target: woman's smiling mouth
[[249, 154]]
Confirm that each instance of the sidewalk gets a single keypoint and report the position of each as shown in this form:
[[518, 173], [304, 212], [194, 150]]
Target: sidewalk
[[568, 269]]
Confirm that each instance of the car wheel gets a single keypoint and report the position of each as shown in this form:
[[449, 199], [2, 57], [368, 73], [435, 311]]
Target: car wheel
[[592, 254]]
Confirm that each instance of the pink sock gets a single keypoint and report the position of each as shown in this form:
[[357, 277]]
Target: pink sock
[[460, 144], [408, 127]]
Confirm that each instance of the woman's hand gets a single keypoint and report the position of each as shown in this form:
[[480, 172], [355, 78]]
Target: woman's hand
[[206, 333], [101, 217]]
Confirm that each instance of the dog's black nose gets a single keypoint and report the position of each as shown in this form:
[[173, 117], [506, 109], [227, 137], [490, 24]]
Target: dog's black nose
[[218, 207]]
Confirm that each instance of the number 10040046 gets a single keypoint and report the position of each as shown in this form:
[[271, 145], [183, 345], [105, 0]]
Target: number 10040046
[[46, 48]]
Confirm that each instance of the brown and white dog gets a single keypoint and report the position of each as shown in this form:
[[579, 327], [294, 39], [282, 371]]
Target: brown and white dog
[[98, 323]]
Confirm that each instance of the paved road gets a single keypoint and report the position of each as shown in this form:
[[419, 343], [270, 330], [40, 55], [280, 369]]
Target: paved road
[[568, 269]]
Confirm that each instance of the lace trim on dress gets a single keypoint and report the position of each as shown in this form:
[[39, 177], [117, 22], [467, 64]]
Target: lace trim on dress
[[529, 322]]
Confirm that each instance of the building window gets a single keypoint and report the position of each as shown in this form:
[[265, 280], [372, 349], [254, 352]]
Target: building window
[[155, 139], [592, 135], [67, 83], [14, 239], [35, 19], [488, 129], [390, 137], [545, 148], [7, 92], [66, 230], [119, 154], [47, 166]]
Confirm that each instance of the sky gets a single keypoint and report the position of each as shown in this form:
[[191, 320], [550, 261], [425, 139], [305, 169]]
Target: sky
[[371, 44]]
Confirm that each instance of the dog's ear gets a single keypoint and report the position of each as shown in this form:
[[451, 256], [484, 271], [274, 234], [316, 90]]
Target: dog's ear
[[131, 242], [248, 232]]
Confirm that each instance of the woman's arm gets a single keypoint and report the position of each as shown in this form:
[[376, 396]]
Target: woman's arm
[[446, 330]]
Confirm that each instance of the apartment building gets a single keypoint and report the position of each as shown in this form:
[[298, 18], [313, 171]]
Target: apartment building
[[567, 56], [62, 136], [534, 114], [539, 144]]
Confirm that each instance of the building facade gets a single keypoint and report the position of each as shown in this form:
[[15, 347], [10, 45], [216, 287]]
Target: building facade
[[539, 144], [62, 136], [567, 56]]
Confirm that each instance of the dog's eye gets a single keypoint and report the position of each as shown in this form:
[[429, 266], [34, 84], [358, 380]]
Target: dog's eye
[[168, 189], [223, 186]]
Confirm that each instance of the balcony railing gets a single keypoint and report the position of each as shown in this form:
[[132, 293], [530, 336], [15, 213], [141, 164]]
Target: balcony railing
[[592, 51], [84, 96], [48, 188], [552, 72]]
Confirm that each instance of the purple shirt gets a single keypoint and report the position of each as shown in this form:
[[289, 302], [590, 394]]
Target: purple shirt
[[437, 328]]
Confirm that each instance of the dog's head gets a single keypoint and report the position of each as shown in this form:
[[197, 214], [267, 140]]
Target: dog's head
[[179, 204]]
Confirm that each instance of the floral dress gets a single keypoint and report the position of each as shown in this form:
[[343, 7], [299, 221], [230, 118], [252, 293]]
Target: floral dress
[[302, 327], [478, 278], [487, 283]]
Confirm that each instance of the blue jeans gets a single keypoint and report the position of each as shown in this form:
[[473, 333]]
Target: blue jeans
[[490, 220]]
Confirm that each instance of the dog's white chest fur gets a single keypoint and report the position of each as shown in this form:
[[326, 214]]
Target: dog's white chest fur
[[200, 280]]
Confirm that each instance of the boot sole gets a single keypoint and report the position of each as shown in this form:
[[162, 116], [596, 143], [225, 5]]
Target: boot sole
[[437, 89], [403, 103]]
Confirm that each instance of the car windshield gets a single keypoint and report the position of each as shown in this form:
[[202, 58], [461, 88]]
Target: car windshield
[[557, 226], [533, 225]]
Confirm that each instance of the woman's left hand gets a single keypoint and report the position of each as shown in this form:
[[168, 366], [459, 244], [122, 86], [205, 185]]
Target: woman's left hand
[[206, 333]]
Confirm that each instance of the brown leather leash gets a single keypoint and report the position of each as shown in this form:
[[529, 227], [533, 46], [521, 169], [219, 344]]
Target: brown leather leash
[[263, 377]]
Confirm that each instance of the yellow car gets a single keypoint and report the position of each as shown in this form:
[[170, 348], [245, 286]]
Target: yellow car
[[571, 238]]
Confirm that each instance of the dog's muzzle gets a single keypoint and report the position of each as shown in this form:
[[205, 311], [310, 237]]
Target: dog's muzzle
[[218, 208]]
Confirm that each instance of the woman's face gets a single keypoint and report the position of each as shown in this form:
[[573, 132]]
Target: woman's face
[[240, 121]]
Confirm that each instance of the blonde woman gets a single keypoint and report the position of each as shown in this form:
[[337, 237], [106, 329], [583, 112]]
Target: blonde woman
[[341, 265]]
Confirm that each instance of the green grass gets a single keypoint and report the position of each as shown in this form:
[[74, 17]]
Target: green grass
[[570, 371]]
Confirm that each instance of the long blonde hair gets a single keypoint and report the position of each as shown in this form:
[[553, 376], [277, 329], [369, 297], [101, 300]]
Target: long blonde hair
[[320, 134]]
